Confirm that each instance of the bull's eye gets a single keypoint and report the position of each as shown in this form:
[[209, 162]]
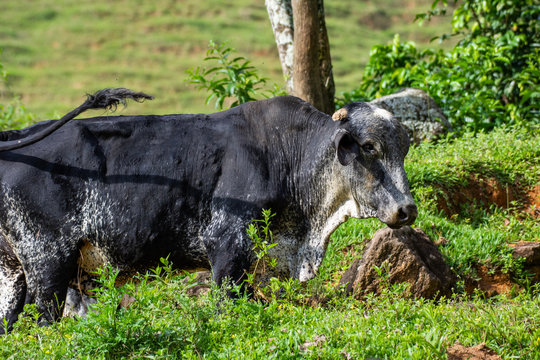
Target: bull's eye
[[369, 149]]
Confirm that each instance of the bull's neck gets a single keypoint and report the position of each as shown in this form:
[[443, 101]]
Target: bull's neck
[[299, 142], [319, 189]]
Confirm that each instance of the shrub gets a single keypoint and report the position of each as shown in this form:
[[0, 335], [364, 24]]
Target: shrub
[[491, 77], [13, 115], [228, 78]]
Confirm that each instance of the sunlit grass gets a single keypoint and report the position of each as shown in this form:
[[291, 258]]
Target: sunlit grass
[[56, 51]]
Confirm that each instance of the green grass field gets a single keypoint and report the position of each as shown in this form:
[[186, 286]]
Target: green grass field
[[56, 51]]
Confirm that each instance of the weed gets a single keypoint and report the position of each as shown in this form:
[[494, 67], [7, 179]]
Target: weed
[[14, 114], [263, 240], [230, 78]]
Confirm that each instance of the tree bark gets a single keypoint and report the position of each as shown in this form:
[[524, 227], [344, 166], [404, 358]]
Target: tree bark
[[281, 19], [306, 70], [325, 62], [300, 31]]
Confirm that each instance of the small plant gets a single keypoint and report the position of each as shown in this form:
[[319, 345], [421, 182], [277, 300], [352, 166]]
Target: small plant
[[29, 320], [109, 329], [13, 115], [262, 239], [163, 272], [231, 78]]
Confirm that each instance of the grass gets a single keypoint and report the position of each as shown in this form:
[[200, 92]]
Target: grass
[[476, 233], [56, 51], [508, 154], [166, 323], [317, 320]]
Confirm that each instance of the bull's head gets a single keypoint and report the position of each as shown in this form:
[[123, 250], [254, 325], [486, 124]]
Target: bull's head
[[370, 149]]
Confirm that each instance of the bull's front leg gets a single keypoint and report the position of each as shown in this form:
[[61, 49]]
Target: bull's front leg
[[228, 246]]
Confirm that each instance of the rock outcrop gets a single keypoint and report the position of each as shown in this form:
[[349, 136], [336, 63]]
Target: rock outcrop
[[410, 256], [418, 112]]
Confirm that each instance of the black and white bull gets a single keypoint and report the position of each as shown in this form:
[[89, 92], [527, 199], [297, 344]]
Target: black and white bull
[[132, 189]]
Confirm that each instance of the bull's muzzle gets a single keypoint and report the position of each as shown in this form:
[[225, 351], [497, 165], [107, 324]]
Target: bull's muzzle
[[404, 215]]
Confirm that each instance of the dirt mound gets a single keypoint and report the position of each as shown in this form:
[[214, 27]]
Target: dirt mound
[[494, 282], [490, 282], [481, 191], [532, 203], [478, 352], [488, 191]]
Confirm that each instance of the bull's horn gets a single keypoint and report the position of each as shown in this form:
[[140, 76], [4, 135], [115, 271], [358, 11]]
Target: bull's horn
[[340, 114]]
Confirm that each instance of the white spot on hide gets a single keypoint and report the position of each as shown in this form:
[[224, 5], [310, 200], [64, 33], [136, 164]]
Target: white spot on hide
[[10, 287]]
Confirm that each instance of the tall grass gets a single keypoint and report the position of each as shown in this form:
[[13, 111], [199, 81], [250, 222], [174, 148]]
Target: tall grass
[[165, 323]]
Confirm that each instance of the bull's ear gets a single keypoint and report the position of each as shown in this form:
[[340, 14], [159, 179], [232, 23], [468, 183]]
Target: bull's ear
[[347, 148]]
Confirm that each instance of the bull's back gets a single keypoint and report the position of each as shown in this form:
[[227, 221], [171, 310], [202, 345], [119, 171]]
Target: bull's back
[[133, 185]]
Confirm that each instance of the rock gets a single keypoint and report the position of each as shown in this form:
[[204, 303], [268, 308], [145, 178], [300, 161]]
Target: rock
[[530, 252], [318, 339], [200, 284], [418, 112], [126, 301], [411, 257]]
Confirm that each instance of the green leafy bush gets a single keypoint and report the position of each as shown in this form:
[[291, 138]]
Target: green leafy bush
[[262, 240], [491, 77], [230, 78], [13, 115]]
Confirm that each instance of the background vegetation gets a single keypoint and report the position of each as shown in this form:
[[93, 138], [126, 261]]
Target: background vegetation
[[56, 51], [486, 79], [491, 77]]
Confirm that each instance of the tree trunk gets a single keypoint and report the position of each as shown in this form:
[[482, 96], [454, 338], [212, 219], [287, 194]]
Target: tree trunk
[[328, 88], [306, 69], [281, 19], [300, 32]]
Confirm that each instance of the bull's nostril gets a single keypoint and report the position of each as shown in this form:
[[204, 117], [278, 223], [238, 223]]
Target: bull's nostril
[[402, 215]]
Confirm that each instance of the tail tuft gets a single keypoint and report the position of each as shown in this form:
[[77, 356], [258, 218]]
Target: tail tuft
[[110, 98], [103, 99]]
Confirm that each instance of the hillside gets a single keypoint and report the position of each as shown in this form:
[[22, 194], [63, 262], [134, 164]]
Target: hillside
[[56, 51]]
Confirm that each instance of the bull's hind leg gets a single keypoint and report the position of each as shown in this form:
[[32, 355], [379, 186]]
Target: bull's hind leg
[[48, 263], [12, 287], [47, 283]]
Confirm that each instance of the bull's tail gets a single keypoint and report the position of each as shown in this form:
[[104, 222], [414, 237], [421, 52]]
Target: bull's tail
[[103, 99]]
